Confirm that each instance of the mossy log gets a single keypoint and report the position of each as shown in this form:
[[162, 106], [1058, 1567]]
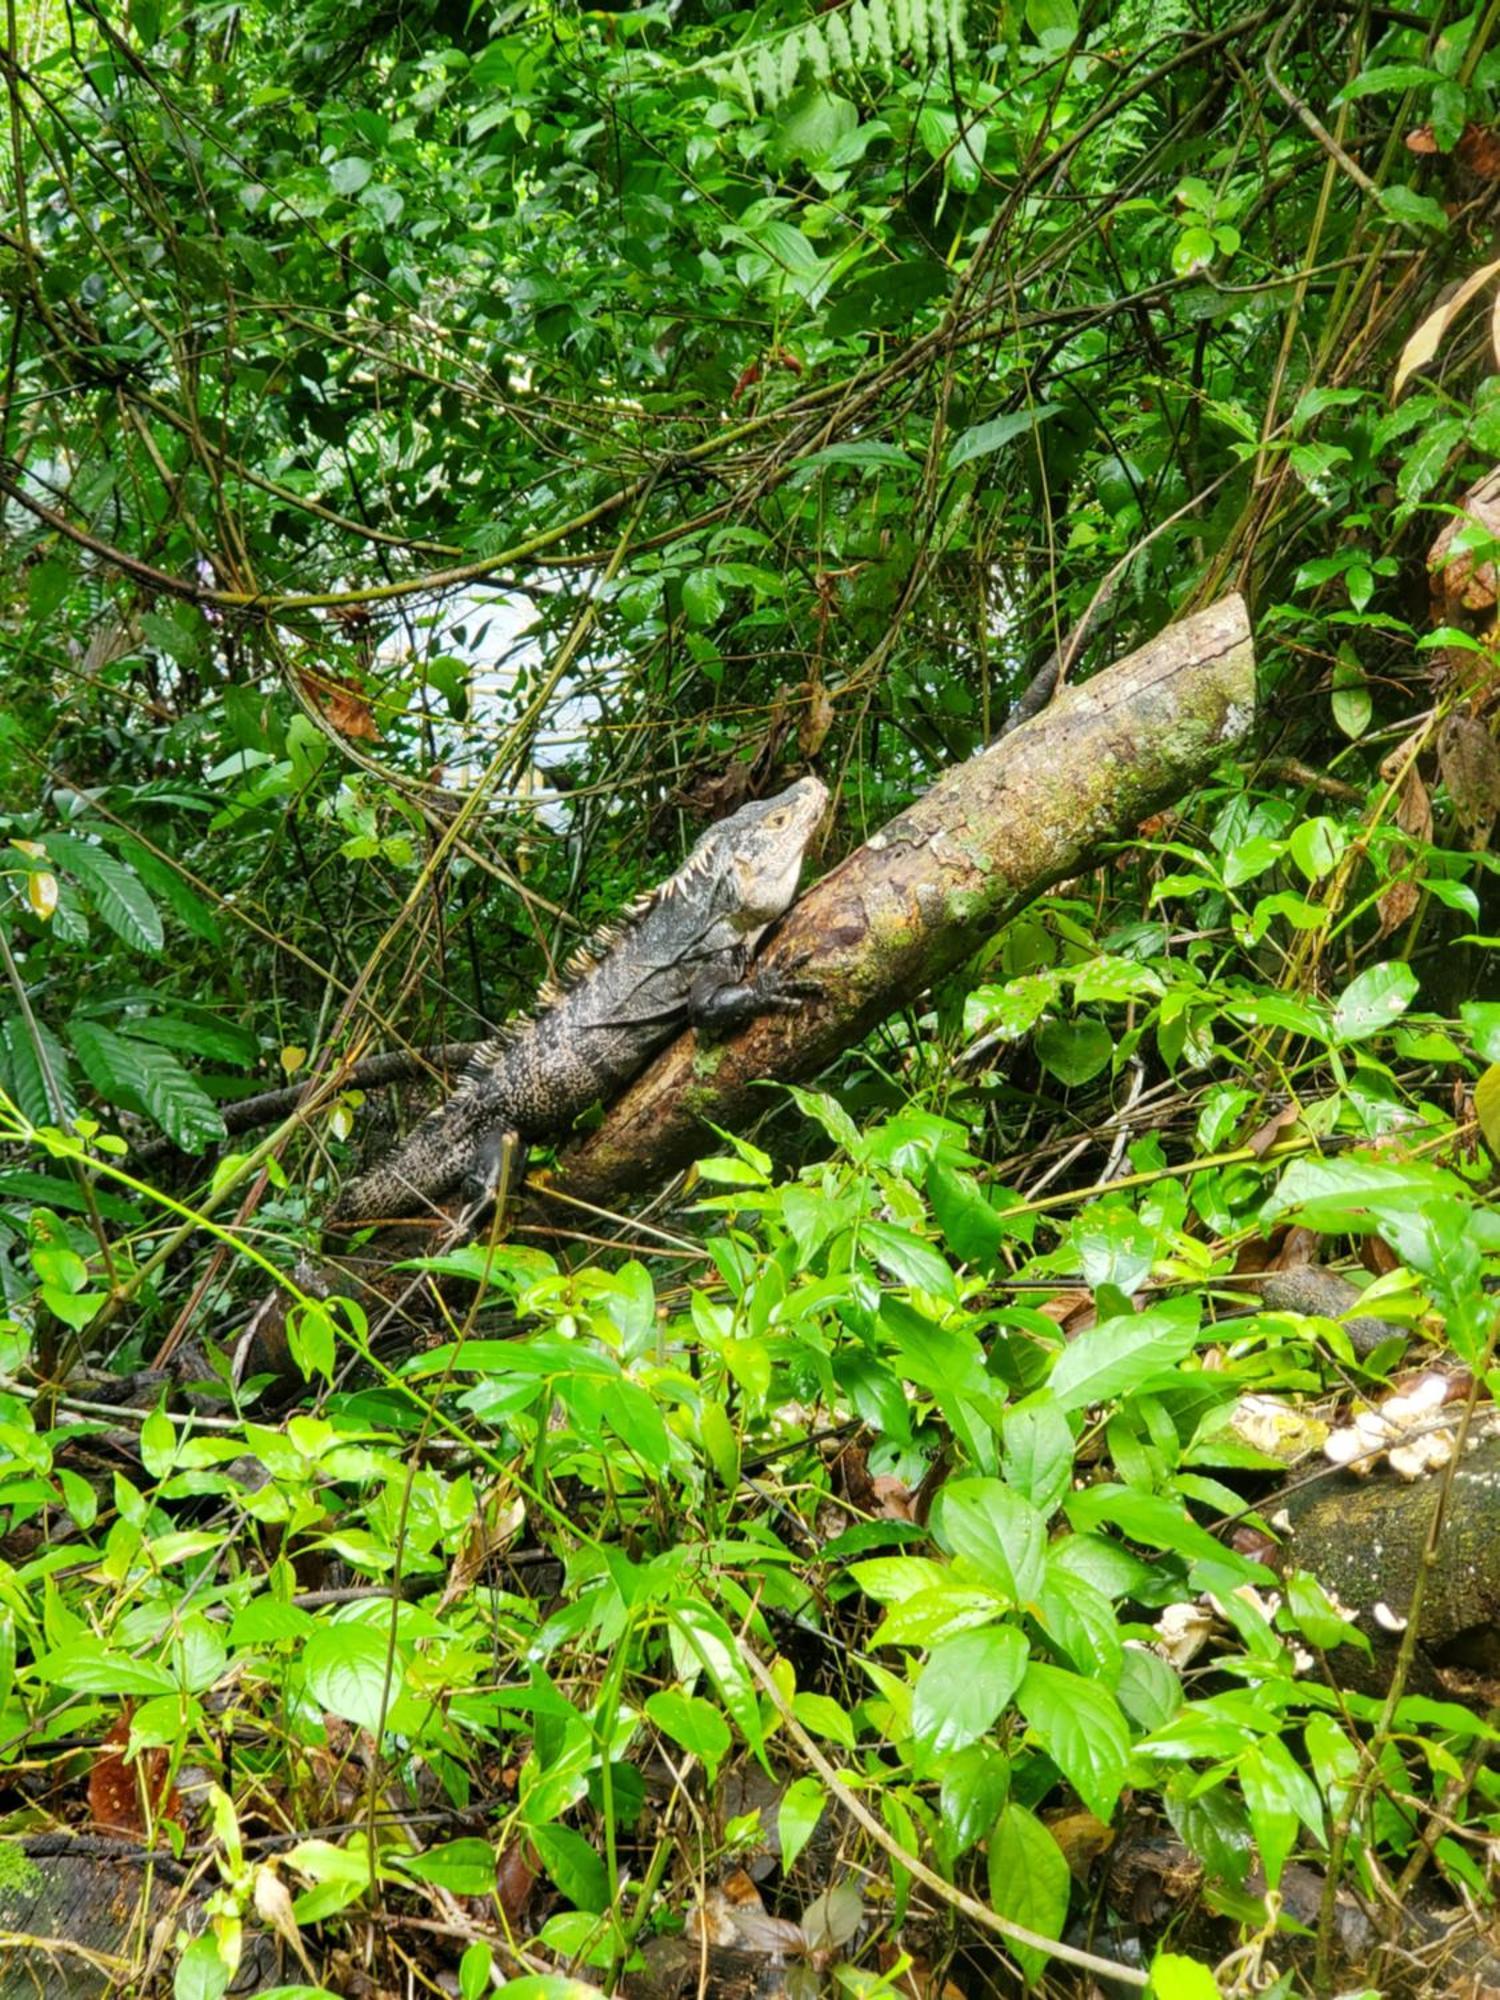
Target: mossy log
[[1041, 804], [1364, 1539]]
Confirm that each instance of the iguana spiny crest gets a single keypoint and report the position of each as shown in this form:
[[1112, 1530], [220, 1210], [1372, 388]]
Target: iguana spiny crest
[[680, 955]]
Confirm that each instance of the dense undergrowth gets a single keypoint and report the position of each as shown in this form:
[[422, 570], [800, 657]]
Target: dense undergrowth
[[444, 463]]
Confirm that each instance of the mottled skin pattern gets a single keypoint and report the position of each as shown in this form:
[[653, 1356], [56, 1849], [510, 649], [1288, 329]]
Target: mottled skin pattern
[[679, 957]]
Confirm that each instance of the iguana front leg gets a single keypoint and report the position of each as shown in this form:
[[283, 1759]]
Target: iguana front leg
[[717, 1006]]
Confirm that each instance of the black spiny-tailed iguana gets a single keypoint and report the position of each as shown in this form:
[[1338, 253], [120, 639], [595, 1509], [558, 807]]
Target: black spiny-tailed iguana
[[678, 956]]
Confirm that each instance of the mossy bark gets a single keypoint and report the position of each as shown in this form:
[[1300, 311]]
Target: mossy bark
[[1364, 1539], [920, 896]]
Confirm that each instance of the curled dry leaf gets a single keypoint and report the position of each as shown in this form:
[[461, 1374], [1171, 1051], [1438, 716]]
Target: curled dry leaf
[[817, 720], [1428, 338], [1460, 584]]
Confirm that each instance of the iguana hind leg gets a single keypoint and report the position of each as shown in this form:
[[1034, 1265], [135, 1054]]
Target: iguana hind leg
[[493, 1172]]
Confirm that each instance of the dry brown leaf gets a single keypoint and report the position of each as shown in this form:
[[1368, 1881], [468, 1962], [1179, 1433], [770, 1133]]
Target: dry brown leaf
[[817, 720], [1470, 765], [500, 1518], [1082, 1838], [1459, 585], [1260, 1143], [1414, 806], [343, 703], [1428, 338], [1479, 149], [733, 1917], [1072, 1310], [118, 1791], [1396, 905]]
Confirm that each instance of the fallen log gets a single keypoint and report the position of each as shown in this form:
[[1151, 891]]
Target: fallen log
[[1040, 804], [920, 896]]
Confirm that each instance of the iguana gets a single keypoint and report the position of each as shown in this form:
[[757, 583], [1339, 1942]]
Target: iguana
[[678, 956]]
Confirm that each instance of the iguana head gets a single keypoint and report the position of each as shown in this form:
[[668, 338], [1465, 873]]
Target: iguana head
[[756, 855]]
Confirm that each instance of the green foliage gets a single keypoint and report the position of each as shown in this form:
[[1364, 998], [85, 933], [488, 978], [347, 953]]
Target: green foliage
[[449, 451]]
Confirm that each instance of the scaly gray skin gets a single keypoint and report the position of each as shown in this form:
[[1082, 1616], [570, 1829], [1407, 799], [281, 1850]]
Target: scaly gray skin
[[678, 957]]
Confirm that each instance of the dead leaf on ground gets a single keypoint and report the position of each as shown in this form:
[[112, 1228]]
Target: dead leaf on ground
[[119, 1791], [733, 1917], [1082, 1838]]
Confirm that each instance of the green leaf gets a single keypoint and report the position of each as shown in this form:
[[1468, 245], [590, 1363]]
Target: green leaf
[[966, 1684], [692, 1722], [1156, 1522], [1388, 78], [702, 596], [976, 1784], [1082, 1729], [576, 1868], [1037, 1452], [37, 1072], [908, 1259], [202, 1974], [347, 177], [983, 439], [88, 1666], [1029, 1883], [1174, 1977], [150, 1079], [1119, 1354], [1080, 1621], [466, 1867], [347, 1671], [971, 1228], [1373, 1001], [112, 888], [797, 1815], [1074, 1051], [997, 1531]]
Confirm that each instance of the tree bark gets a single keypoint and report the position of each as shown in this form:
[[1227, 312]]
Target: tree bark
[[922, 894]]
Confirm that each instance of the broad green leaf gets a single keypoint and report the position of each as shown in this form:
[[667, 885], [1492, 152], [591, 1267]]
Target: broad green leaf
[[971, 1228], [349, 1673], [113, 889], [798, 1811], [1037, 1452], [88, 1666], [975, 1785], [908, 1259], [966, 1684], [1373, 1001], [995, 1530], [1029, 1882], [1119, 1354], [1080, 1620], [574, 1865], [1174, 1977], [983, 439], [1082, 1730], [1074, 1051], [693, 1723], [465, 1867]]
